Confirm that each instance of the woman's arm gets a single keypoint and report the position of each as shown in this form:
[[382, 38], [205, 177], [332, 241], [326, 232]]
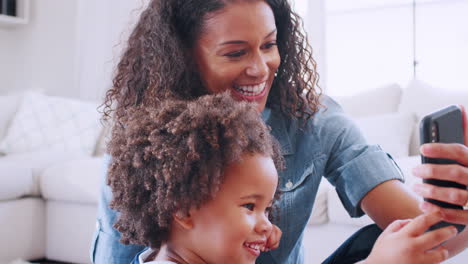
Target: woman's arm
[[390, 201]]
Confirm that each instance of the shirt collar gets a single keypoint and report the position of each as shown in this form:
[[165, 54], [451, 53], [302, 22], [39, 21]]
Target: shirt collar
[[277, 122]]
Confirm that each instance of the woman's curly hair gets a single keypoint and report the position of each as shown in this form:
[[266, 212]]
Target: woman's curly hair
[[156, 64], [170, 159]]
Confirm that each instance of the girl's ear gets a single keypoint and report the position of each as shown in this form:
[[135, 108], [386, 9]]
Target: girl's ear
[[183, 220]]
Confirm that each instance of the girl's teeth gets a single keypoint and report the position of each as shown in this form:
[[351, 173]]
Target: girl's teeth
[[257, 247]]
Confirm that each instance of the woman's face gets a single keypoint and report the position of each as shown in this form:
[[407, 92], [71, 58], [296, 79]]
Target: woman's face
[[237, 51]]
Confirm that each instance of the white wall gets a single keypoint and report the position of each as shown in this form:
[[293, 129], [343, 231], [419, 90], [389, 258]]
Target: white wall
[[313, 14], [40, 55], [102, 30]]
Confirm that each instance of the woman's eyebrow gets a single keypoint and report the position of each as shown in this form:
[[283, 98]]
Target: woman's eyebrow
[[243, 41]]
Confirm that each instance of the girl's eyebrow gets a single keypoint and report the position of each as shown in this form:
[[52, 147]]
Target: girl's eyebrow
[[242, 41], [255, 196]]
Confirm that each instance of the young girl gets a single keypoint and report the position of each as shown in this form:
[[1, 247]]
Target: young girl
[[195, 182]]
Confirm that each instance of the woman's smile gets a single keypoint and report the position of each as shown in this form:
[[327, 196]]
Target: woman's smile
[[252, 92]]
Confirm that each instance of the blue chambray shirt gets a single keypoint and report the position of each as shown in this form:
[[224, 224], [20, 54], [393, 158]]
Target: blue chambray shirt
[[330, 145]]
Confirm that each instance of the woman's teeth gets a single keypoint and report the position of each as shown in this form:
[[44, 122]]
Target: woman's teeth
[[251, 90]]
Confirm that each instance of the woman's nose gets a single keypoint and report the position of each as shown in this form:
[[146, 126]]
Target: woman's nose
[[258, 67], [263, 225]]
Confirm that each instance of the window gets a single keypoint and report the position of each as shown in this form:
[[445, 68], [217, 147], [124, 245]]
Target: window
[[370, 43]]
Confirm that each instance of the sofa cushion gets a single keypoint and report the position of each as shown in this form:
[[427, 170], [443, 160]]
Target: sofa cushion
[[381, 100], [8, 106], [421, 99], [19, 172], [391, 131], [23, 233], [74, 181], [52, 123]]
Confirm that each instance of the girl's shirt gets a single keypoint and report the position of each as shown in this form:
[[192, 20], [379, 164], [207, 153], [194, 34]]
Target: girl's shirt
[[329, 145], [141, 257]]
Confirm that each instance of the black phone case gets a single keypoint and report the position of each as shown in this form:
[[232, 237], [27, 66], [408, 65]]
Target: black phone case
[[448, 129]]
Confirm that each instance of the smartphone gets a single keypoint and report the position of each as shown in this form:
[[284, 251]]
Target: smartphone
[[444, 126]]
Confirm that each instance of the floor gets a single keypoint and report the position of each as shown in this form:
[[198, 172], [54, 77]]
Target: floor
[[45, 261]]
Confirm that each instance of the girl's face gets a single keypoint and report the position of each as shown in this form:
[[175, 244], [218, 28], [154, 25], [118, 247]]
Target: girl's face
[[230, 227], [237, 51]]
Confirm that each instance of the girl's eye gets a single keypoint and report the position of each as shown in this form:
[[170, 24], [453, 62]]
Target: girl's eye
[[249, 206], [235, 54]]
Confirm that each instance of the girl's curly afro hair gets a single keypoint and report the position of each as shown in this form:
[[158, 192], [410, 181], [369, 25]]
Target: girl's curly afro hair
[[170, 159]]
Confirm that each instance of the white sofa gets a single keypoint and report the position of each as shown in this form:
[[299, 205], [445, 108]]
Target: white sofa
[[49, 209]]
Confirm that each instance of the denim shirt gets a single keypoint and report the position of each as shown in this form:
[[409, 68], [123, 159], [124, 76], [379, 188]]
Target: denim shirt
[[328, 145]]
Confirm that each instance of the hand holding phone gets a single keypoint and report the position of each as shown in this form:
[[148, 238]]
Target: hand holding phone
[[443, 126]]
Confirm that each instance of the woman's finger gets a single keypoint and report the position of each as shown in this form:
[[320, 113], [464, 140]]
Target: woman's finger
[[436, 237], [456, 216], [450, 215], [452, 172], [444, 194], [465, 123], [421, 223], [452, 151]]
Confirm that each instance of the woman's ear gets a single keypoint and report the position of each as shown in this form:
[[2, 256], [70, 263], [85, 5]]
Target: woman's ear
[[183, 220]]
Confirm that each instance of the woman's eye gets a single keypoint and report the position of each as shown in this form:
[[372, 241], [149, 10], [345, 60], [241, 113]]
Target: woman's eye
[[249, 206], [270, 45], [235, 54]]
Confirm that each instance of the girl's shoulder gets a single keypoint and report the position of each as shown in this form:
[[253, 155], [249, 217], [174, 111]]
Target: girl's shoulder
[[143, 256]]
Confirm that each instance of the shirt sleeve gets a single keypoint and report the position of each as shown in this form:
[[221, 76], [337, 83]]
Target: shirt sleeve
[[106, 246], [353, 166]]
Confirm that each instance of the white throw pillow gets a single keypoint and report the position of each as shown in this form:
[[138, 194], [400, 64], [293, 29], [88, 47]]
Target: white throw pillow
[[392, 132], [52, 123], [421, 98], [319, 213], [381, 100], [8, 106]]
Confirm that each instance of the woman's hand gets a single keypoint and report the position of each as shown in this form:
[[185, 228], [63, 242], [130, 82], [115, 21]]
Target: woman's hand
[[273, 240], [406, 242], [453, 172]]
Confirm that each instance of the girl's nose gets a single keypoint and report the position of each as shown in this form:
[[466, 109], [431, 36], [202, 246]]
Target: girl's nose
[[263, 225]]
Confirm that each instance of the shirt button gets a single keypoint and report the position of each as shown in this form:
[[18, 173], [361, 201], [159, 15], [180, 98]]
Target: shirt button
[[289, 184]]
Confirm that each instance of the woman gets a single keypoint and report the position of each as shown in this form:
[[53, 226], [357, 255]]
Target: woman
[[255, 49]]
